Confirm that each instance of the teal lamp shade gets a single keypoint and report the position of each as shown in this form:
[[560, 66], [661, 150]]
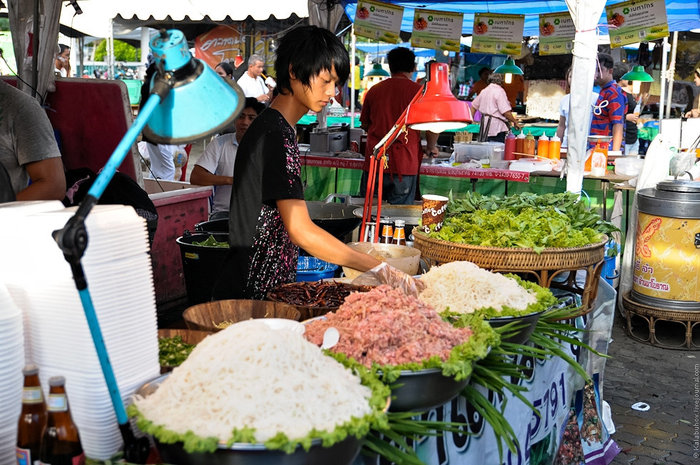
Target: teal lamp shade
[[200, 102], [377, 72], [637, 76], [509, 68]]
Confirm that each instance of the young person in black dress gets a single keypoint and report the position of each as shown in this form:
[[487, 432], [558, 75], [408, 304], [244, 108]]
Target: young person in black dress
[[268, 218]]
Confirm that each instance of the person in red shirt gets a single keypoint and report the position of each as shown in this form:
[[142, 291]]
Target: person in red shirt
[[383, 105], [481, 84]]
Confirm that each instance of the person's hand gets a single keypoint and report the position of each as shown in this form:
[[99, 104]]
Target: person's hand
[[432, 152], [694, 113], [632, 117], [517, 125], [263, 98]]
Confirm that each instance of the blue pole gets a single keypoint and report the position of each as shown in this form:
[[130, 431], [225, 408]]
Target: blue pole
[[117, 157], [98, 187]]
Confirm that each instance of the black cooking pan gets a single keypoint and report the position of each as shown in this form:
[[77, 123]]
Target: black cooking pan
[[334, 217]]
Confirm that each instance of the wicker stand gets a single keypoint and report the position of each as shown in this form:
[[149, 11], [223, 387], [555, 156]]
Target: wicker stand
[[562, 264], [651, 316]]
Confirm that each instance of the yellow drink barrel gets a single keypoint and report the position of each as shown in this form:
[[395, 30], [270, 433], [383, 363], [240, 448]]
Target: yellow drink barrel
[[667, 249]]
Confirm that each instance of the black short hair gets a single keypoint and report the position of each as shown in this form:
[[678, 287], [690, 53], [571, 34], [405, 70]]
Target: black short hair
[[619, 70], [253, 103], [401, 60], [483, 70], [62, 48], [228, 69], [606, 61], [306, 51]]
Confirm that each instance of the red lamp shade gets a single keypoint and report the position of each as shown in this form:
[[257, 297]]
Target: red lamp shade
[[437, 110]]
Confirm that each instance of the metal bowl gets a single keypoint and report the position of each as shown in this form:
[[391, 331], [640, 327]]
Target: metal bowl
[[527, 323], [341, 453], [417, 391]]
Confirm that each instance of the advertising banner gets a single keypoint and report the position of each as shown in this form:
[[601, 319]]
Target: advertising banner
[[557, 31], [221, 44], [636, 21], [378, 20], [495, 33], [439, 30]]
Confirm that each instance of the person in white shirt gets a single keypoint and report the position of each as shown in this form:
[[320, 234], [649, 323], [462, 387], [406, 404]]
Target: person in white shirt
[[215, 166], [564, 103], [252, 83]]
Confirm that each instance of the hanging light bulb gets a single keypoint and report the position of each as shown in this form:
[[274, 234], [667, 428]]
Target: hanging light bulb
[[637, 76], [509, 68]]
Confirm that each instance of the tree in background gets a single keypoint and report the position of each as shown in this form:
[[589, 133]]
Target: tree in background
[[122, 51]]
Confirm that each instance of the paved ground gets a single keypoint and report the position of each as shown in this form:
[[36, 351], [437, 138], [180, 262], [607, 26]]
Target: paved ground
[[667, 380]]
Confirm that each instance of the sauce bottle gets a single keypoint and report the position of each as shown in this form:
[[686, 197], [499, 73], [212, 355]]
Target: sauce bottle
[[529, 144], [555, 148], [387, 236], [399, 232], [509, 147], [543, 146], [520, 143], [32, 418], [60, 442]]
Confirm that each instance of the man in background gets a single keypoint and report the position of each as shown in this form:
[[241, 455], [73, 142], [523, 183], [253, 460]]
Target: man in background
[[252, 83], [481, 84], [28, 149], [611, 106], [382, 106], [215, 166], [62, 62]]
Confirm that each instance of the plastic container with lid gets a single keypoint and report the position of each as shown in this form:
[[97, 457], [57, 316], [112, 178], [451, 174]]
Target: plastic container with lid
[[668, 238]]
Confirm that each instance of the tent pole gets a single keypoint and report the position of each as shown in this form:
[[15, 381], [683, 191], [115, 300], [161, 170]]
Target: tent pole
[[352, 76], [662, 96], [671, 74], [35, 47]]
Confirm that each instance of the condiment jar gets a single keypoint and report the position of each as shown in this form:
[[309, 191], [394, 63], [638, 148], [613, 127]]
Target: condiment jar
[[509, 147], [520, 143], [529, 144], [543, 146], [555, 148], [399, 232]]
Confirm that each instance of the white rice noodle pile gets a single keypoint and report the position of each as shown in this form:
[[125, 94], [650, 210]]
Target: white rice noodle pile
[[464, 288], [253, 376]]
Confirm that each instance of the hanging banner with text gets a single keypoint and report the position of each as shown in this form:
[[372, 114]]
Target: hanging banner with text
[[219, 45], [494, 33], [439, 30], [636, 21], [378, 20], [557, 31]]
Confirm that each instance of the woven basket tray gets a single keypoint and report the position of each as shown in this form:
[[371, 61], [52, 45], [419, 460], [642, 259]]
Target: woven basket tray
[[508, 259]]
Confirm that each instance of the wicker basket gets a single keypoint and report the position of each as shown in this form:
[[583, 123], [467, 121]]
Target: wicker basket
[[544, 266], [510, 259]]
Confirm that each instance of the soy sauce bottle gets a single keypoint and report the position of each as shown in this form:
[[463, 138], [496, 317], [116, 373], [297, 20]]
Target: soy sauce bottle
[[60, 443], [399, 232], [32, 418]]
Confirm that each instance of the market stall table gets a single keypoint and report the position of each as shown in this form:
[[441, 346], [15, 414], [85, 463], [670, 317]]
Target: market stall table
[[533, 128]]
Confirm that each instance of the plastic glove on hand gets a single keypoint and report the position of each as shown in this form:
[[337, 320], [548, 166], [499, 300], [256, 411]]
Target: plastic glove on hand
[[387, 274]]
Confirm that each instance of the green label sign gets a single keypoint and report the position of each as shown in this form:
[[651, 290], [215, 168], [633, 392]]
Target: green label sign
[[557, 31], [495, 33], [636, 21], [438, 30], [378, 20]]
